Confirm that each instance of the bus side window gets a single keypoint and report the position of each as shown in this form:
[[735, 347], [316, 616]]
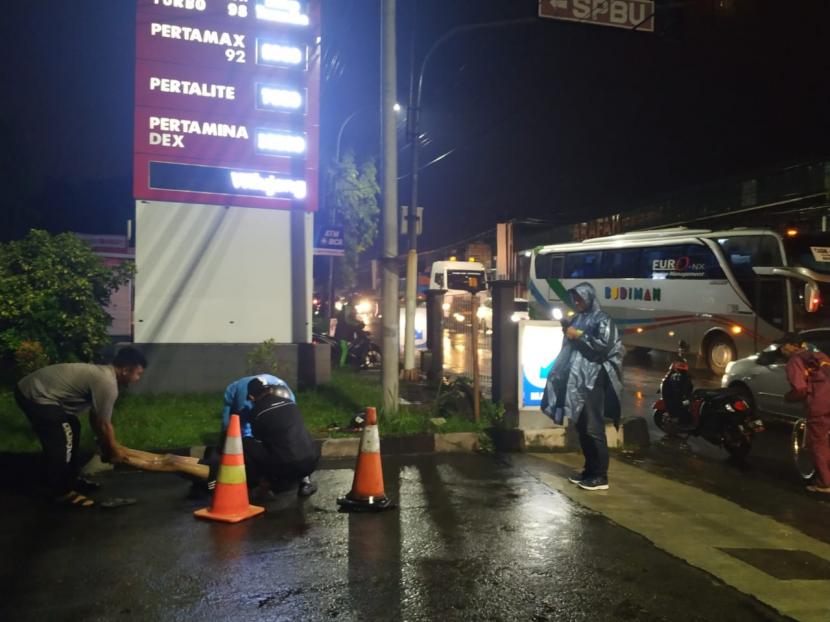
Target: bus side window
[[541, 266], [582, 265], [556, 267], [621, 263], [548, 266], [703, 256], [651, 264]]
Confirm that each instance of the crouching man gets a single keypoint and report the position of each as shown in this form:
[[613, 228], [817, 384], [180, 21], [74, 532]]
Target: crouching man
[[281, 453]]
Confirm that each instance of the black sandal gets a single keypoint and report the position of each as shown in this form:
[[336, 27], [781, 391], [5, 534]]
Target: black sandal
[[75, 499]]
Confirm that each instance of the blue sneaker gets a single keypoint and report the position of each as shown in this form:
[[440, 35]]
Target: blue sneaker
[[594, 483]]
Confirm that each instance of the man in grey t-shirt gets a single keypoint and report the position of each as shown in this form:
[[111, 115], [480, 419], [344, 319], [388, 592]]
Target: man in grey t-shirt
[[54, 396]]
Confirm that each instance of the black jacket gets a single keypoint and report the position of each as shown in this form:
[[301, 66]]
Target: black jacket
[[276, 423]]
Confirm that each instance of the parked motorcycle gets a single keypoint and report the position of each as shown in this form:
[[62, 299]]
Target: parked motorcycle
[[719, 416], [362, 352]]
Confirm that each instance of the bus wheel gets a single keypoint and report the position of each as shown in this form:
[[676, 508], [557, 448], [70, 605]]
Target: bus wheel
[[719, 352]]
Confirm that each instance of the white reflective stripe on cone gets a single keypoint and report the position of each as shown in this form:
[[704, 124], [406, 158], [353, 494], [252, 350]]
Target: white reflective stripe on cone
[[370, 442], [233, 446]]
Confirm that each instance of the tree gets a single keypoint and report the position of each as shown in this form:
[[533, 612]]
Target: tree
[[53, 290], [355, 195]]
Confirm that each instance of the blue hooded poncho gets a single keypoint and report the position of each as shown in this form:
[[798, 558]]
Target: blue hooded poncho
[[575, 371]]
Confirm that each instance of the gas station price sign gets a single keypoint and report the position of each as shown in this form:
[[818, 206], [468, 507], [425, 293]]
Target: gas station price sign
[[227, 102]]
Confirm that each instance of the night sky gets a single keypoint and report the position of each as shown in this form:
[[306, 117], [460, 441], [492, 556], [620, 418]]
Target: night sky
[[550, 120]]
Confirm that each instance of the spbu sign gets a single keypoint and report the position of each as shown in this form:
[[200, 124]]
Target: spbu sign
[[227, 102], [631, 14]]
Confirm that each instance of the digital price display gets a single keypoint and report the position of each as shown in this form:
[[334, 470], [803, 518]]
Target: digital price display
[[472, 281], [227, 102]]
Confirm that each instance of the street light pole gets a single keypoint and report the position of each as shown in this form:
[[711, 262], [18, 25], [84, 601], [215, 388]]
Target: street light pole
[[333, 214], [412, 214], [390, 344]]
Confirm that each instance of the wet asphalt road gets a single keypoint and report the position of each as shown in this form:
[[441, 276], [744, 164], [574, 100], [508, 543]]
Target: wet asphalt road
[[474, 538], [766, 483]]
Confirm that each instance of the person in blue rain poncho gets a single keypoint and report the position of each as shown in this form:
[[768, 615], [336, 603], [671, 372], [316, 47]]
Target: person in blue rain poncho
[[585, 383]]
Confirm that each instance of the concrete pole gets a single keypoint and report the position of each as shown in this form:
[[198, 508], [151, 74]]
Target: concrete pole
[[435, 334], [476, 375], [302, 284], [409, 371], [389, 344]]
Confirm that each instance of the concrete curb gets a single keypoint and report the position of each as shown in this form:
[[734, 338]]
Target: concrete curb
[[390, 445], [633, 432]]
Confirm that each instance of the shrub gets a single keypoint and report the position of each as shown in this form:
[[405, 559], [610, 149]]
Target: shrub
[[30, 356], [53, 290], [263, 359]]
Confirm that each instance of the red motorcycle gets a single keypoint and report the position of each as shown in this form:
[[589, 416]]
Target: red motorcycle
[[719, 416]]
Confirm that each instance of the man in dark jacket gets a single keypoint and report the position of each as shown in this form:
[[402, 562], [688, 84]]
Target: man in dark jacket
[[585, 383], [283, 453]]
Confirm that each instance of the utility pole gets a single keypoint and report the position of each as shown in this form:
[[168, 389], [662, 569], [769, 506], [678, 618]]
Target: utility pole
[[409, 371], [389, 344]]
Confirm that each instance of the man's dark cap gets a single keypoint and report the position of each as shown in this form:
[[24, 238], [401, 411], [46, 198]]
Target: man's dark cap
[[257, 387]]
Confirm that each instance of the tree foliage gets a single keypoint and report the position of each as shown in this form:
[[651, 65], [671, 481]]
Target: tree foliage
[[53, 290], [355, 193]]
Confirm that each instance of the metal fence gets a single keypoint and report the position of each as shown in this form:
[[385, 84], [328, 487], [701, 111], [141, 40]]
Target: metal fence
[[458, 338]]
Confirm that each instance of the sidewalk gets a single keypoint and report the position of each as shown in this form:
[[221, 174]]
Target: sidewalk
[[773, 562]]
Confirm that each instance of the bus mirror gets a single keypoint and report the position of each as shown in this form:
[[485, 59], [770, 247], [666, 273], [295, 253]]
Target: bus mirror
[[812, 297]]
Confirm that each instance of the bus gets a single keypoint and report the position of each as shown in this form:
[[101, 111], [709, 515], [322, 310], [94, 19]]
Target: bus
[[465, 276], [728, 294]]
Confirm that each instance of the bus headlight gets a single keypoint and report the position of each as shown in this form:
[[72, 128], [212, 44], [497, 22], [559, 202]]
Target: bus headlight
[[556, 314]]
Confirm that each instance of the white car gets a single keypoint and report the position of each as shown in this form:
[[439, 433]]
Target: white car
[[762, 378]]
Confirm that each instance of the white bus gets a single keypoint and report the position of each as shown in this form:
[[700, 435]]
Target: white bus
[[463, 276], [726, 293]]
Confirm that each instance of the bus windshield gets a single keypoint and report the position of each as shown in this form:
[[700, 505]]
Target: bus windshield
[[811, 251]]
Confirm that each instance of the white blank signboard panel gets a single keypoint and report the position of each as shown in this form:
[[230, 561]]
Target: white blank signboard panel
[[212, 274]]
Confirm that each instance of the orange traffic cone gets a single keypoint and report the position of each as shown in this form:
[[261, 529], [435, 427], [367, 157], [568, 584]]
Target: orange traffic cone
[[367, 488], [230, 499]]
